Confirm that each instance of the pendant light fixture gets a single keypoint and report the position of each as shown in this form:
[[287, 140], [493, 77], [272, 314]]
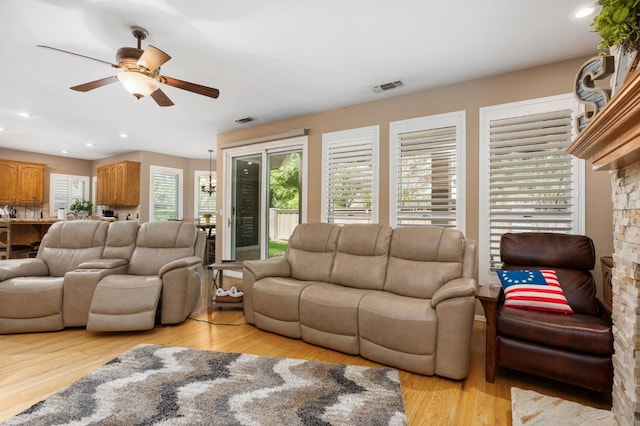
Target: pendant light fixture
[[209, 187]]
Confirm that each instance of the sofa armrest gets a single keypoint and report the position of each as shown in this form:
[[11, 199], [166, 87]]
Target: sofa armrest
[[102, 264], [455, 305], [255, 270], [184, 262], [274, 267], [12, 268], [181, 289], [459, 287]]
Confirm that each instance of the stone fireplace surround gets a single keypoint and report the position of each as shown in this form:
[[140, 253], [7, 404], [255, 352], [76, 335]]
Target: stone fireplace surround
[[612, 142]]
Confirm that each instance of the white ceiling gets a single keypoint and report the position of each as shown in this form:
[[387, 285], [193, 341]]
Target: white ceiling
[[270, 60]]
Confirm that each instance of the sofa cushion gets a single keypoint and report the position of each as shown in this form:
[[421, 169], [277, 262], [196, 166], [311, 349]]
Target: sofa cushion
[[310, 251], [329, 316], [395, 322], [276, 305], [422, 259], [581, 333], [533, 289], [31, 297], [121, 240], [159, 243], [69, 243], [361, 256]]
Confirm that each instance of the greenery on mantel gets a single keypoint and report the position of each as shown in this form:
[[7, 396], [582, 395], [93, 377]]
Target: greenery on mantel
[[618, 24]]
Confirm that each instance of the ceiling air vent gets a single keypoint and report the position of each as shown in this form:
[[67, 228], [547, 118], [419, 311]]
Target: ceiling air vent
[[245, 120], [387, 86]]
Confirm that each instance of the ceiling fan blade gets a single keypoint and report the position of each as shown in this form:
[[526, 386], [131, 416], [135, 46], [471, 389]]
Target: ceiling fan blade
[[191, 87], [161, 98], [95, 84], [77, 54], [153, 58]]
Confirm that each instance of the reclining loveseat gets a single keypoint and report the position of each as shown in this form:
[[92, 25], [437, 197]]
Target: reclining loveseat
[[105, 276], [403, 297]]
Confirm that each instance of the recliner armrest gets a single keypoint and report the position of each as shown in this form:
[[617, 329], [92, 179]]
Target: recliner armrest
[[180, 263], [102, 264], [32, 267], [79, 286], [274, 267], [459, 287]]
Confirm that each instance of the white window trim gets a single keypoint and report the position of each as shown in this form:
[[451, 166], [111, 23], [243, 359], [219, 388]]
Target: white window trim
[[370, 132], [180, 172], [457, 119], [497, 112]]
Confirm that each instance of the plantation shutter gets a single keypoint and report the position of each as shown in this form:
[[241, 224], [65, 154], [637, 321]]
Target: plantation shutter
[[166, 195], [531, 178], [60, 193], [426, 183], [349, 180]]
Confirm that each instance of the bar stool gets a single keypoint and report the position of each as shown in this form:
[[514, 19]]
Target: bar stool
[[5, 247]]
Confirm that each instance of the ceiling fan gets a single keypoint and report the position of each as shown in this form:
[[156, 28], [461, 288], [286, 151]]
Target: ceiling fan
[[140, 72]]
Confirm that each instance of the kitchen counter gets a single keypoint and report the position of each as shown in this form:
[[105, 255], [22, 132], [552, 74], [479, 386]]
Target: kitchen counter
[[26, 231]]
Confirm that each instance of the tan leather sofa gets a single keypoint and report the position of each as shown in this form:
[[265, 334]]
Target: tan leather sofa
[[106, 276], [403, 297]]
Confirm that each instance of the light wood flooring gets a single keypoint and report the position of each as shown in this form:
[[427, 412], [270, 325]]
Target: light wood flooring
[[35, 365]]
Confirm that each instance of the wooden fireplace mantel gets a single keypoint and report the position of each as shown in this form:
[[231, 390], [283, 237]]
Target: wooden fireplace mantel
[[612, 139]]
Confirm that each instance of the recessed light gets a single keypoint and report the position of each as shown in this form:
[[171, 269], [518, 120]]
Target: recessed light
[[24, 114], [64, 151], [1, 129], [124, 135], [584, 11], [90, 145]]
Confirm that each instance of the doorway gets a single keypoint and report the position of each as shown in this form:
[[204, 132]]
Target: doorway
[[265, 200]]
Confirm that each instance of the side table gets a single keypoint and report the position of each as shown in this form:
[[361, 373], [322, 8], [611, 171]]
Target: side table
[[217, 281], [488, 296]]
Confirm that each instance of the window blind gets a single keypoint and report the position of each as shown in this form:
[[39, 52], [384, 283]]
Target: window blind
[[349, 184], [166, 195], [426, 177], [531, 178]]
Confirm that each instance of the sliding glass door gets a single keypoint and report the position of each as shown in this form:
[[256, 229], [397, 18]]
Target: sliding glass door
[[245, 209], [264, 200]]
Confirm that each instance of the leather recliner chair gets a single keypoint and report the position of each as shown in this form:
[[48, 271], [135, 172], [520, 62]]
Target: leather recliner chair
[[572, 348]]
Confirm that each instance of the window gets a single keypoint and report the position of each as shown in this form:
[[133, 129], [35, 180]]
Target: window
[[350, 176], [64, 189], [527, 181], [166, 193], [204, 203], [427, 171]]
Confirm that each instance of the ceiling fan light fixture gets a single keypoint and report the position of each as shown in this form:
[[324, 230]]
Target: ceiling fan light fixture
[[137, 84]]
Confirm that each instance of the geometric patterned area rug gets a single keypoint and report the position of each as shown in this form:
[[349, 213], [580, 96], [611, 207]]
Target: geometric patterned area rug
[[532, 408], [161, 385]]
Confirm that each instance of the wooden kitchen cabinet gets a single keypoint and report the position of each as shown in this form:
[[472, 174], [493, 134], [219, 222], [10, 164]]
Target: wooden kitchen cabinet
[[119, 184], [22, 183]]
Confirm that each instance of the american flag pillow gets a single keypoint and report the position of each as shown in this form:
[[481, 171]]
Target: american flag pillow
[[533, 289]]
